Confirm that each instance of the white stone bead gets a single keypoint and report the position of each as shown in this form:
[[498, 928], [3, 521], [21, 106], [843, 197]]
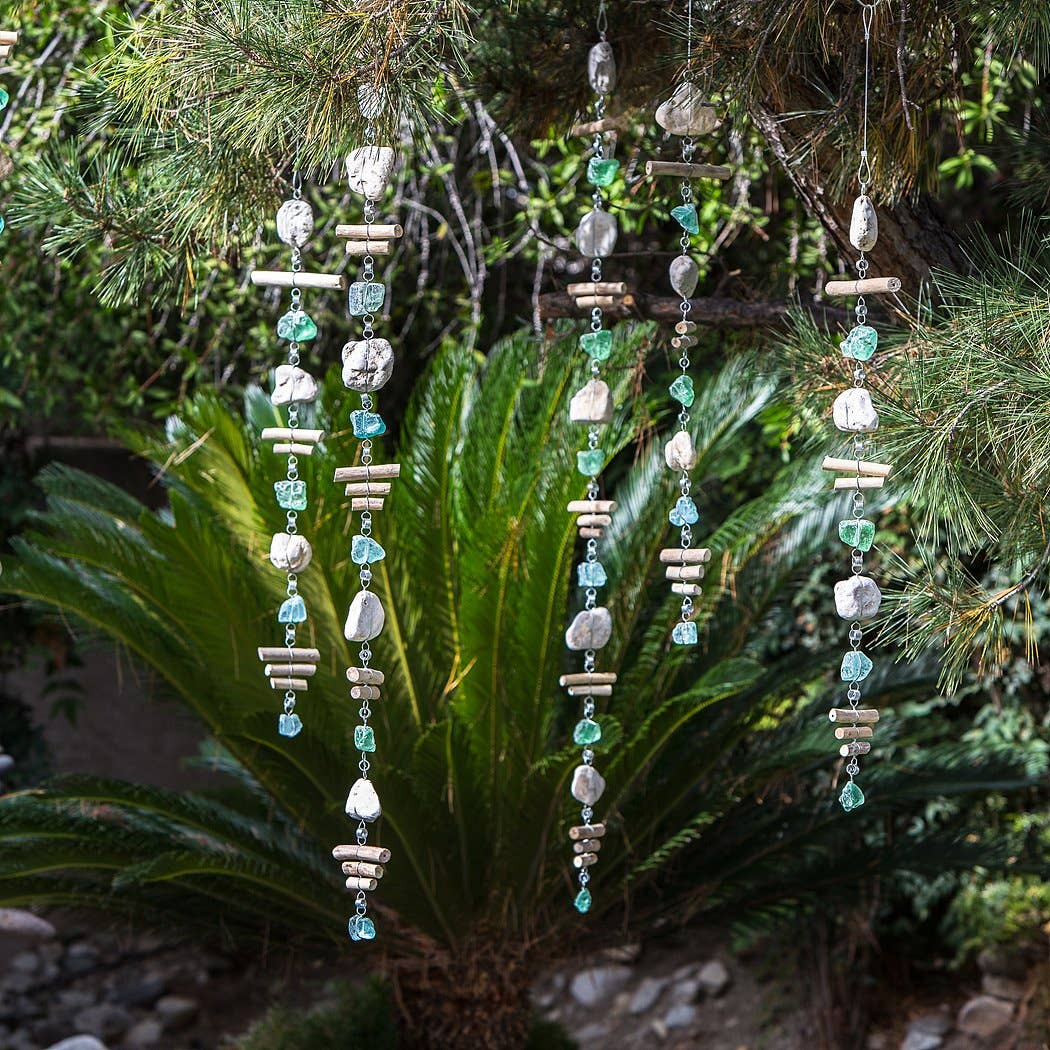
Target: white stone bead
[[686, 113], [684, 276], [592, 404], [857, 598], [854, 412], [290, 552], [365, 619], [368, 170], [367, 364], [864, 226], [595, 237], [588, 785], [295, 223], [363, 801], [291, 383], [601, 68], [591, 629], [679, 453]]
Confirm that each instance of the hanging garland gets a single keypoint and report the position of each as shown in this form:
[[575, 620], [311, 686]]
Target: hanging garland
[[368, 363], [858, 598]]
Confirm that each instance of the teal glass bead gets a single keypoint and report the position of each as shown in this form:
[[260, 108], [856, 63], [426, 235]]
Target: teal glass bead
[[855, 667], [364, 550], [684, 633], [298, 326], [589, 461], [361, 928], [582, 903], [365, 297], [860, 343], [601, 170], [3, 224], [597, 344], [364, 738], [5, 98], [289, 725], [851, 797], [682, 390], [857, 532], [291, 495], [587, 731], [367, 424], [292, 610], [686, 217], [591, 574], [684, 512]]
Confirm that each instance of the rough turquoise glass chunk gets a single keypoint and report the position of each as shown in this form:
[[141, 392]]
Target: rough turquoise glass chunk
[[587, 731], [292, 610], [857, 532], [855, 667], [851, 796], [860, 343], [684, 512], [589, 461], [367, 424], [291, 495], [597, 344], [591, 574], [298, 326], [602, 170], [684, 633], [686, 217], [364, 550], [3, 224], [682, 390], [364, 738], [289, 725], [365, 297], [5, 98], [361, 928], [582, 903]]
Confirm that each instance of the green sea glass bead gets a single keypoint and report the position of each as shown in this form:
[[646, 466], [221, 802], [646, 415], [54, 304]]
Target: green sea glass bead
[[367, 424], [686, 217], [601, 171], [851, 797], [587, 731], [855, 667], [365, 551], [682, 390], [298, 326], [591, 574], [361, 928], [5, 98], [364, 738], [857, 532], [597, 344], [291, 495], [365, 297], [860, 343], [589, 461], [582, 903]]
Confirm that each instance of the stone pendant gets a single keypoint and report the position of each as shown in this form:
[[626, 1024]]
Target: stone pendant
[[588, 785], [366, 618], [864, 225], [290, 552], [679, 453], [591, 629], [363, 801], [368, 364], [686, 113], [368, 170], [292, 383], [592, 404], [684, 276], [596, 235], [854, 412], [601, 68], [857, 598], [295, 223]]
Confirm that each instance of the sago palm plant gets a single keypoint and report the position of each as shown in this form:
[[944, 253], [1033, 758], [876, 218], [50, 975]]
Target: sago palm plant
[[717, 759]]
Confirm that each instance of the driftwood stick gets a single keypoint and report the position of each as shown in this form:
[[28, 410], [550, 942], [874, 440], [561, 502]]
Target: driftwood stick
[[590, 690], [269, 653], [375, 470], [860, 466], [376, 854], [689, 171], [859, 483], [845, 714], [362, 232], [597, 288], [591, 506], [688, 556], [583, 678], [593, 127], [872, 286], [586, 831], [282, 279]]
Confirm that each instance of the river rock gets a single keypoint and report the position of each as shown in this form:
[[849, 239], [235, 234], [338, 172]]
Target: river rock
[[1004, 960], [290, 552], [365, 619], [176, 1012], [857, 598], [145, 1035], [591, 629], [7, 763], [78, 1042], [596, 235], [292, 383], [598, 984], [713, 977], [20, 923], [684, 275], [1002, 987], [588, 785], [104, 1020], [864, 225], [295, 223], [679, 453], [367, 364], [984, 1016], [683, 1015], [592, 404], [601, 68], [854, 412], [363, 801], [686, 112], [646, 994], [368, 170]]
